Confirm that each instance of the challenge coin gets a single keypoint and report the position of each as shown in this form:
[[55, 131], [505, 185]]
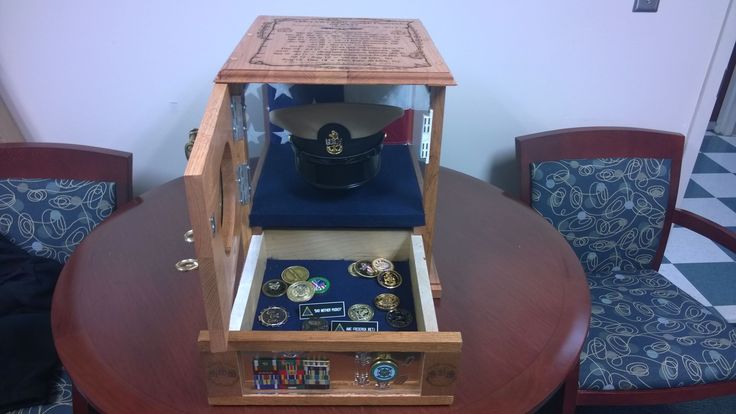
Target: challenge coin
[[381, 264], [315, 324], [390, 279], [386, 301], [274, 288], [351, 270], [360, 312], [294, 274], [321, 284], [384, 370], [300, 291], [364, 268], [399, 318], [273, 316]]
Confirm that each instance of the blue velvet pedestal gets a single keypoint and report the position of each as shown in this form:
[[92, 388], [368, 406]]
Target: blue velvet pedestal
[[391, 200]]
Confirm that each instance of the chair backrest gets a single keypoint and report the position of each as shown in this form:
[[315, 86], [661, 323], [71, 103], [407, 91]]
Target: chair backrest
[[610, 192], [53, 195]]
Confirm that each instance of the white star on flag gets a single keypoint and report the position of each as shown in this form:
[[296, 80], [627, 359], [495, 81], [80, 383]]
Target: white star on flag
[[253, 134], [253, 89], [282, 89], [284, 136]]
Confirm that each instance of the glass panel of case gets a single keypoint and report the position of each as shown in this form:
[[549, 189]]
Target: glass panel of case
[[411, 130]]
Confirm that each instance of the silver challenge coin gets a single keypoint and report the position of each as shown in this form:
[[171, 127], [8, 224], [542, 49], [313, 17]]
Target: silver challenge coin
[[399, 318], [364, 268], [273, 316], [382, 264], [360, 312]]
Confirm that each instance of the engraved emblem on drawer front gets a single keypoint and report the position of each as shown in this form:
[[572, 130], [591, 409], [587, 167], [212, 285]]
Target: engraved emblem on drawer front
[[222, 374], [334, 143], [441, 375]]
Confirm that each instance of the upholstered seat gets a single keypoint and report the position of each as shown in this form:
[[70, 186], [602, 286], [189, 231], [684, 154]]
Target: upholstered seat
[[611, 194], [646, 333]]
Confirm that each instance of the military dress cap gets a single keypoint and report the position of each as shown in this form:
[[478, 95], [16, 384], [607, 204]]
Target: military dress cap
[[336, 145]]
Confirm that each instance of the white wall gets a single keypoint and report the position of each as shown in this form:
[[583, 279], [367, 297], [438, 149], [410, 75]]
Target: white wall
[[135, 75]]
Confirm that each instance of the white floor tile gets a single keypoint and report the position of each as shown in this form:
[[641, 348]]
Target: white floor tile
[[710, 208], [719, 185], [726, 160], [728, 312], [730, 140], [673, 275], [685, 246]]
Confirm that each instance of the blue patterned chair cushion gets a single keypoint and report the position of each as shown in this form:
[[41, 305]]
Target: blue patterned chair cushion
[[645, 333], [59, 403], [49, 217], [610, 210]]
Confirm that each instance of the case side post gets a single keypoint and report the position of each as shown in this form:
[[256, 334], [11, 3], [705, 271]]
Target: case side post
[[431, 174]]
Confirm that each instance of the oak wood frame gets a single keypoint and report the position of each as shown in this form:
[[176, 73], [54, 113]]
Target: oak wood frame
[[239, 69], [221, 248], [210, 193], [609, 142]]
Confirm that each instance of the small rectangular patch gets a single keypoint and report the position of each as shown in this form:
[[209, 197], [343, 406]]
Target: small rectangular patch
[[322, 310], [354, 326]]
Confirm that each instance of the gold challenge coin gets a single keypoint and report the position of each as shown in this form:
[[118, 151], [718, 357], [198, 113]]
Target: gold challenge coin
[[390, 279], [294, 274], [386, 301]]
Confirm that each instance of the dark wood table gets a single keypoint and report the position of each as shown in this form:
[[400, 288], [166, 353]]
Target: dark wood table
[[125, 321]]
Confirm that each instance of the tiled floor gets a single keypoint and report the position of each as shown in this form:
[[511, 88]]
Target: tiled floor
[[702, 268]]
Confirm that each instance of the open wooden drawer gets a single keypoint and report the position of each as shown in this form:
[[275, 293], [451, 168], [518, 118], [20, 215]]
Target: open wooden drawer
[[417, 366], [426, 360]]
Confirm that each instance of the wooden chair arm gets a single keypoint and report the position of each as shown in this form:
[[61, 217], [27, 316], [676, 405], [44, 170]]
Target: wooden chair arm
[[705, 227]]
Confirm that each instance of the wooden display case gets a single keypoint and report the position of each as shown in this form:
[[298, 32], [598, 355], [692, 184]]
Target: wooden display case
[[222, 181]]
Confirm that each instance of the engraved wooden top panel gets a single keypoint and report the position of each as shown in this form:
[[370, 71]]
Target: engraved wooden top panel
[[322, 50]]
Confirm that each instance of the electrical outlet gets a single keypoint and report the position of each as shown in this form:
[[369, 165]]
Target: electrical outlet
[[646, 6]]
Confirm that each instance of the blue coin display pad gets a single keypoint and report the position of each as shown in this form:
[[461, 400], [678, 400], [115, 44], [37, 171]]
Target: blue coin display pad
[[343, 287], [390, 200]]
